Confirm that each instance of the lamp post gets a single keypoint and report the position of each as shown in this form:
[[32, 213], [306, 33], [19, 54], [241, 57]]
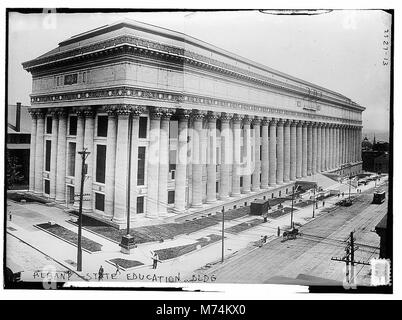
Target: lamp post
[[84, 154], [291, 212]]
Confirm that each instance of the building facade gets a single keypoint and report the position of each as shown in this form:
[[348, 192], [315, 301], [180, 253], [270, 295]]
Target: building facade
[[175, 125]]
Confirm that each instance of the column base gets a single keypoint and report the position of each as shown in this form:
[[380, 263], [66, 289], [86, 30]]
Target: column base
[[119, 220], [235, 195], [255, 189], [211, 201], [264, 186], [196, 205], [127, 244]]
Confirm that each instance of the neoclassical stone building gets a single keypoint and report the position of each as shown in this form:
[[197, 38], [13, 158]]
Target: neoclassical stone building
[[175, 125]]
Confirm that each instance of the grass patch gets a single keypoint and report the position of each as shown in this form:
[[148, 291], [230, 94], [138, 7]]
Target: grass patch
[[125, 263], [162, 231], [174, 252], [18, 196], [70, 236], [244, 226], [281, 212]]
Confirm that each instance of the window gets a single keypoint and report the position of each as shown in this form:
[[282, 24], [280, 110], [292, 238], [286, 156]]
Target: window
[[141, 166], [173, 129], [100, 163], [272, 196], [99, 201], [142, 134], [170, 197], [102, 126], [49, 122], [84, 77], [48, 155], [70, 79], [140, 204], [260, 131], [241, 182], [217, 187], [172, 160], [73, 126], [47, 186], [260, 152], [71, 159]]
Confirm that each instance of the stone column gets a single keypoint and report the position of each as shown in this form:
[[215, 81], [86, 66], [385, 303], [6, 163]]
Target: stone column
[[347, 144], [32, 150], [272, 152], [78, 160], [355, 140], [246, 161], [339, 146], [293, 154], [61, 158], [319, 127], [39, 155], [110, 162], [299, 149], [286, 151], [236, 172], [323, 147], [314, 151], [226, 156], [153, 163], [164, 163], [89, 146], [336, 146], [257, 161], [331, 146], [264, 154], [211, 161], [304, 148], [53, 154], [327, 147], [197, 159], [121, 169], [181, 166], [309, 149], [360, 144], [343, 144]]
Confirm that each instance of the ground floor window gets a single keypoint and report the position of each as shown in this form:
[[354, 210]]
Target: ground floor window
[[70, 194], [71, 159], [217, 187], [47, 186], [100, 163], [140, 204], [141, 166], [99, 201], [170, 197], [48, 155]]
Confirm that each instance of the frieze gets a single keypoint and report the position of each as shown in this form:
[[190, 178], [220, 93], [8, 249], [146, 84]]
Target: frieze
[[175, 98]]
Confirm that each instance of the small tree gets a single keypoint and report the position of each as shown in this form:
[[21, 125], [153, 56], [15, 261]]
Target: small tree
[[14, 175]]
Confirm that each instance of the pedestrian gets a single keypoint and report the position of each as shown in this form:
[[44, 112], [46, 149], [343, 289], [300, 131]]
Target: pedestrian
[[155, 260], [343, 194], [117, 269], [100, 273], [10, 216], [279, 231], [323, 203]]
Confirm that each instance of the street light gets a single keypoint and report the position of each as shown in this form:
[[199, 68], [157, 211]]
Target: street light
[[84, 154]]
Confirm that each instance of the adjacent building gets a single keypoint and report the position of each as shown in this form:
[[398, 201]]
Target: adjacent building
[[175, 125]]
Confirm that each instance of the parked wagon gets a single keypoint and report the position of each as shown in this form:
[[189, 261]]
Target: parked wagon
[[291, 234]]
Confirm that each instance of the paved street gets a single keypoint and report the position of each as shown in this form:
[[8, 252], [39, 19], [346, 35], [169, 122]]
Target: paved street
[[310, 254]]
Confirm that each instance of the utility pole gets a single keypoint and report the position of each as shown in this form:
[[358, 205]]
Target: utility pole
[[223, 234], [349, 259], [291, 212], [84, 154], [314, 202]]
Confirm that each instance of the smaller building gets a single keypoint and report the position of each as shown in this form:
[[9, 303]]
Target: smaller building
[[375, 156], [381, 230], [18, 146]]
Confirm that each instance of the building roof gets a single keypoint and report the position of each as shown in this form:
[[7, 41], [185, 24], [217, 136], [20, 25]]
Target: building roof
[[173, 39]]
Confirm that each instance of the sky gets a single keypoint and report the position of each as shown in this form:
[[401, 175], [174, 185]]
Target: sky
[[340, 50]]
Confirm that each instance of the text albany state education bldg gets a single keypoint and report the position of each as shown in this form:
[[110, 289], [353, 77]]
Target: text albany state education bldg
[[176, 126]]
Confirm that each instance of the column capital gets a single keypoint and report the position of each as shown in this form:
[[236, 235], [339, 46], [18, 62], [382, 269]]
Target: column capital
[[167, 113], [256, 121], [273, 122], [33, 113], [183, 114], [226, 117], [307, 124], [280, 122], [155, 113], [299, 123], [247, 120], [212, 116], [40, 113], [265, 121], [198, 115], [287, 122], [314, 124], [62, 113], [54, 112], [293, 123], [237, 118], [88, 112]]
